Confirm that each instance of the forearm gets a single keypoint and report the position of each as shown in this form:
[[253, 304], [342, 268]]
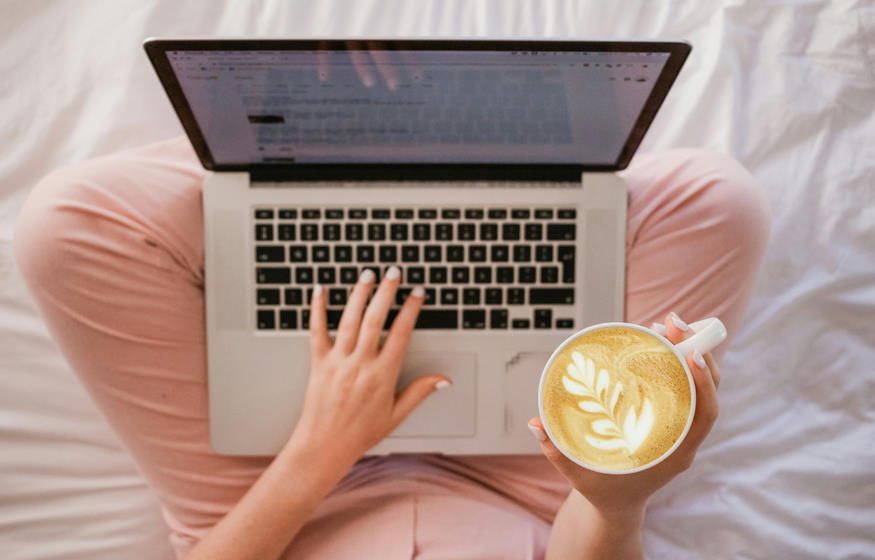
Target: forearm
[[580, 531], [265, 520]]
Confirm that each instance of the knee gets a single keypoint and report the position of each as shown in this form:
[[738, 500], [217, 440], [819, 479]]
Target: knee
[[44, 225], [731, 199]]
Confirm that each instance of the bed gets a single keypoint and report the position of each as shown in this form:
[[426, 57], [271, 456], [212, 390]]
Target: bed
[[787, 87]]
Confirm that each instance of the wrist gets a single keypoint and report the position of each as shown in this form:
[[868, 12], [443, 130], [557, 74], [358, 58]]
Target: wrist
[[617, 519], [314, 464]]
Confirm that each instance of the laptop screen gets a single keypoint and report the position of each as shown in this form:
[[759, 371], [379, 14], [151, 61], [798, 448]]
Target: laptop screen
[[372, 103]]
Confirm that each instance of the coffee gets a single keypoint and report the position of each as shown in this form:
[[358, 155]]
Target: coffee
[[616, 398]]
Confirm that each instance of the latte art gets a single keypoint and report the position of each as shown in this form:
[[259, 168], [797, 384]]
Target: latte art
[[616, 398]]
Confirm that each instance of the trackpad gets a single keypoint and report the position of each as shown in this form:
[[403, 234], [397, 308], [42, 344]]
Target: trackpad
[[450, 411]]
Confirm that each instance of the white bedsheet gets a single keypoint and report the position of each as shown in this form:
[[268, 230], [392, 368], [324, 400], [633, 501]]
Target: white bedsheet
[[787, 87]]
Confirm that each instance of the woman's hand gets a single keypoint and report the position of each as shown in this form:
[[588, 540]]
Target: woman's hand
[[626, 495], [351, 403]]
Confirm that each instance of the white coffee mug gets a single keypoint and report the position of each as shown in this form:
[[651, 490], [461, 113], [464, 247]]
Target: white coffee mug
[[708, 334]]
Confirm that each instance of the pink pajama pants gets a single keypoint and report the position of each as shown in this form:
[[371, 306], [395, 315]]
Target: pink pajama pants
[[112, 251]]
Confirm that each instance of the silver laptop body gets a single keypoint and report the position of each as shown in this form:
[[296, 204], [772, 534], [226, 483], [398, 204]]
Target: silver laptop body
[[483, 169]]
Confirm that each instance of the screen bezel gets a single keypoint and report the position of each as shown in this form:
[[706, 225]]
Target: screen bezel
[[678, 50]]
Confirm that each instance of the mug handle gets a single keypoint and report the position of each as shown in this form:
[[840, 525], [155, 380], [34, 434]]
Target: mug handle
[[709, 333]]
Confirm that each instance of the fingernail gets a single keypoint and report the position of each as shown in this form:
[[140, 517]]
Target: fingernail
[[367, 276], [393, 273], [442, 384], [678, 323], [317, 290], [418, 291], [537, 432], [699, 359], [659, 327]]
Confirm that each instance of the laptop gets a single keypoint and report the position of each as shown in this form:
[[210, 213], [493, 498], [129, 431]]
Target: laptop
[[483, 169]]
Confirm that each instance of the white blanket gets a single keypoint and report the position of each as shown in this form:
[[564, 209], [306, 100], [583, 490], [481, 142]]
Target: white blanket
[[787, 87]]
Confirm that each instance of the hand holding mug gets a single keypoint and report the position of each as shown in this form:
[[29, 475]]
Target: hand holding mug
[[608, 492]]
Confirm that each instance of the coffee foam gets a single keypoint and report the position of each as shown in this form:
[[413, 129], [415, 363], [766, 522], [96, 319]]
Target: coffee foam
[[616, 398]]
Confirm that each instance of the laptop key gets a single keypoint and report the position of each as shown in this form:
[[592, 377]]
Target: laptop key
[[343, 253], [376, 232], [268, 296], [488, 232], [482, 275], [564, 323], [398, 232], [304, 275], [415, 275], [288, 214], [273, 275], [497, 214], [332, 318], [388, 253], [422, 232], [364, 253], [566, 214], [305, 319], [311, 213], [380, 213], [401, 295], [474, 319], [321, 253], [432, 253], [430, 296], [543, 318], [334, 213], [551, 295], [337, 296], [294, 296], [437, 319], [493, 296], [477, 253], [437, 275], [443, 232], [427, 213], [288, 319], [354, 232], [544, 253], [455, 253], [516, 296], [504, 275], [266, 319], [527, 275], [410, 253], [330, 232], [520, 323], [522, 253], [543, 213], [451, 213], [549, 275], [533, 232], [474, 213], [510, 232], [498, 318], [309, 232], [403, 213], [270, 253], [348, 275], [471, 296], [560, 232], [520, 214], [460, 274], [449, 296], [286, 232], [500, 253], [264, 232], [357, 213], [565, 255], [376, 271], [466, 232], [297, 253], [326, 275]]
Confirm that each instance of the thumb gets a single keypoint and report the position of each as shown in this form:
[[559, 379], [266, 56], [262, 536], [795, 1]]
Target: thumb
[[417, 392], [562, 463]]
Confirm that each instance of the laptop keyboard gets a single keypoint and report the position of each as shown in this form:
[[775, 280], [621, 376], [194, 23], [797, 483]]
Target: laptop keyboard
[[481, 267]]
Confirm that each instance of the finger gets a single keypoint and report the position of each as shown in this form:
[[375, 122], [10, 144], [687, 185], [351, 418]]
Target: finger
[[712, 367], [348, 328], [360, 62], [323, 62], [415, 393], [568, 468], [375, 315], [320, 344], [676, 329], [706, 404], [384, 64], [402, 327]]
